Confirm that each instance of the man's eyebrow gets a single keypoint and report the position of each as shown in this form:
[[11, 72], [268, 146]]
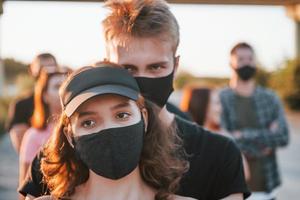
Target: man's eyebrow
[[158, 63], [130, 65], [148, 65]]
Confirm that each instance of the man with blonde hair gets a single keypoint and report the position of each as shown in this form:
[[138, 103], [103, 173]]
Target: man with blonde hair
[[143, 36]]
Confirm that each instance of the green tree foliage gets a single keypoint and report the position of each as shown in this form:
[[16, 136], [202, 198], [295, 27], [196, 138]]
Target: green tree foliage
[[262, 77], [24, 84], [185, 79], [15, 73], [4, 102], [13, 68], [182, 79], [286, 81]]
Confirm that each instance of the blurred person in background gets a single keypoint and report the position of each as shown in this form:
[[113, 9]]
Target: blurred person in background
[[255, 118], [204, 106], [46, 109], [20, 111]]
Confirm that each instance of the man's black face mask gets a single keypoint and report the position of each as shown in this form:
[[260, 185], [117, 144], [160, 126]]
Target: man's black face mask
[[246, 72], [156, 90]]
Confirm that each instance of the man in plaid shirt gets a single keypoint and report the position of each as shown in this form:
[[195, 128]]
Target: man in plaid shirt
[[254, 116]]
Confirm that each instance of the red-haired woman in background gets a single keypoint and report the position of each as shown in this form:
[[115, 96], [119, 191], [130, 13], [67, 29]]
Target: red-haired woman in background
[[204, 106], [46, 107]]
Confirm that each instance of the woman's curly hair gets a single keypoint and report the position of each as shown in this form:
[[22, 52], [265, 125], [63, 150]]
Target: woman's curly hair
[[162, 162]]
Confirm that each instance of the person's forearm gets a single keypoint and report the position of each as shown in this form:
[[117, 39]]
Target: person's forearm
[[23, 167], [264, 138], [238, 196], [21, 197], [246, 169], [16, 135], [29, 197]]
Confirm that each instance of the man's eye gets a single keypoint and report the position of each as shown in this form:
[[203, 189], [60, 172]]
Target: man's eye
[[156, 67], [122, 115], [88, 124], [130, 69]]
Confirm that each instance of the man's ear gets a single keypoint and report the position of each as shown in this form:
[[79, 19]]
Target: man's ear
[[232, 61], [230, 64], [176, 63], [35, 68], [145, 118], [67, 130], [107, 52], [29, 70]]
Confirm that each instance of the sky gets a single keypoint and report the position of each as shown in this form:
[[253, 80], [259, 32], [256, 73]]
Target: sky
[[73, 33]]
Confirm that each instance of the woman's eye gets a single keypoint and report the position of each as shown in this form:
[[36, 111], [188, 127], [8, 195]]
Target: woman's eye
[[122, 115], [88, 124]]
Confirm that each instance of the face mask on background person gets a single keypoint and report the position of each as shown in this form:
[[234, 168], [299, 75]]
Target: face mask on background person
[[246, 72]]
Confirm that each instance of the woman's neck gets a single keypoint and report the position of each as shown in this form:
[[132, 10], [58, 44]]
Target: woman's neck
[[131, 187]]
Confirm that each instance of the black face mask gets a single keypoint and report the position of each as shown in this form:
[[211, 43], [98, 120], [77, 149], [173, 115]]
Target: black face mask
[[157, 90], [112, 153], [246, 72]]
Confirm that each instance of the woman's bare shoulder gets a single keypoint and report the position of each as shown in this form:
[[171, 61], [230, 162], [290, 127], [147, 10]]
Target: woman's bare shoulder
[[176, 197]]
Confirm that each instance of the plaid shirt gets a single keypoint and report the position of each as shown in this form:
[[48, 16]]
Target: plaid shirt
[[253, 142]]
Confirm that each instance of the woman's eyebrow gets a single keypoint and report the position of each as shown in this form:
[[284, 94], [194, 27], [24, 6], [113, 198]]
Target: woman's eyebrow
[[84, 113], [120, 105]]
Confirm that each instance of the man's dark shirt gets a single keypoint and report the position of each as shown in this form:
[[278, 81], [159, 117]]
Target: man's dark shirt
[[216, 168], [257, 182], [174, 109]]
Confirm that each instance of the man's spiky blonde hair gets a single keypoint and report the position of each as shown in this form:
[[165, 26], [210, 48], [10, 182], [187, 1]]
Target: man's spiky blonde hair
[[140, 19]]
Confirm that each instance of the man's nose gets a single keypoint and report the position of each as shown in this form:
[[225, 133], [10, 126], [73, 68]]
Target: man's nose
[[140, 74]]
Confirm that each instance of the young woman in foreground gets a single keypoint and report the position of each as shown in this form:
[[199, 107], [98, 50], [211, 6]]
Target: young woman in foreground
[[110, 143]]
